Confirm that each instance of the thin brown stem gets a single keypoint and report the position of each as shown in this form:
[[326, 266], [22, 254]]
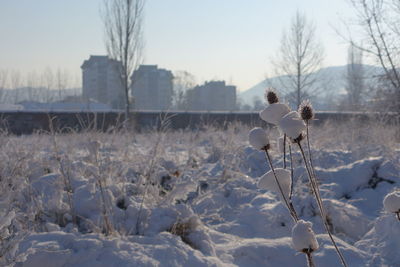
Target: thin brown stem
[[291, 172], [284, 151], [289, 206], [320, 205], [108, 229], [310, 260], [309, 149], [147, 181], [65, 176]]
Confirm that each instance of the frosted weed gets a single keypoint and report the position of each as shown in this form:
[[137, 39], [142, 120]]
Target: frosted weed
[[295, 127]]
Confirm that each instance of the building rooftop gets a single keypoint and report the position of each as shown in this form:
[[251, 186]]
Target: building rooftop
[[96, 59]]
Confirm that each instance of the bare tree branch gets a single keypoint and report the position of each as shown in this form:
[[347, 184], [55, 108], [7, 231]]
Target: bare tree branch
[[123, 38], [380, 21], [299, 58], [3, 84]]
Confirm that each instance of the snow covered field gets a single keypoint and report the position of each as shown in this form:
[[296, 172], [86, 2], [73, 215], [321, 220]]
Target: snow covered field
[[190, 198]]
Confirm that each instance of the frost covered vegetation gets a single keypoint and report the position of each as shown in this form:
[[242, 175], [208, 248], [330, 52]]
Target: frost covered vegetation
[[191, 198]]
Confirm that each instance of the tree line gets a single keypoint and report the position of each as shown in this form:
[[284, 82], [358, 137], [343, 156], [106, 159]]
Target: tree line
[[41, 86]]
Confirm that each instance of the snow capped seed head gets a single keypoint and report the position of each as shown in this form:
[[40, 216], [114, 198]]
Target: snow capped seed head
[[258, 139], [271, 96], [392, 202], [303, 237], [306, 110], [268, 182], [274, 112], [292, 125]]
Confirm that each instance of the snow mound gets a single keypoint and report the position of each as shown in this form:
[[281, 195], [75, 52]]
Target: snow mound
[[73, 249], [382, 242]]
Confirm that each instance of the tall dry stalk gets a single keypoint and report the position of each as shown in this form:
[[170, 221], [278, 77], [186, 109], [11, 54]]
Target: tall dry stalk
[[318, 198], [65, 174]]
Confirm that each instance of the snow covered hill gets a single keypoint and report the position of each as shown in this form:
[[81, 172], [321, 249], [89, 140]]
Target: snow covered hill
[[330, 85]]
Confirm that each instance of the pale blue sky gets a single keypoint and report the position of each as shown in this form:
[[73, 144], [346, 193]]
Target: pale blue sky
[[213, 39]]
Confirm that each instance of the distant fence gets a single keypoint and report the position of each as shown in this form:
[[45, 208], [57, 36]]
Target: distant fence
[[27, 122]]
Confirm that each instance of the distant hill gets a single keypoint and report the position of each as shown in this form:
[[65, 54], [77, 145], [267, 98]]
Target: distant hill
[[330, 84]]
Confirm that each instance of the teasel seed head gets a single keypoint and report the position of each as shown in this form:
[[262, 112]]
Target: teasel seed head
[[306, 111], [271, 96]]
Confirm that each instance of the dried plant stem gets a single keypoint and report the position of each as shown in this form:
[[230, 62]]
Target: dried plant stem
[[291, 172], [67, 184], [141, 205], [147, 183], [289, 206], [64, 174], [108, 225], [309, 148], [320, 205], [102, 184], [310, 260], [284, 151]]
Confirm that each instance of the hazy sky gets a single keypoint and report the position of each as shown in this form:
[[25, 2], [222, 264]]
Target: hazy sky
[[231, 40]]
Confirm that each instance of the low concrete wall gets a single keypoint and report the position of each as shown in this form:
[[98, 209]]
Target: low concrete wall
[[25, 122]]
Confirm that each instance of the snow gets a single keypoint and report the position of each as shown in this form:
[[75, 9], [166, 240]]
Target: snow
[[258, 138], [391, 202], [382, 242], [268, 182], [10, 107], [281, 143], [73, 249], [202, 202], [274, 112], [303, 237], [292, 125]]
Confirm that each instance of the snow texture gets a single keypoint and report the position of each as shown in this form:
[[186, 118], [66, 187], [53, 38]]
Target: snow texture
[[258, 138], [274, 113], [268, 182], [202, 204], [292, 125]]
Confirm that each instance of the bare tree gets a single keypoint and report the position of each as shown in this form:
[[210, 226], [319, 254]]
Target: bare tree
[[123, 37], [379, 23], [300, 56], [183, 81], [32, 84], [48, 83], [62, 79], [16, 81], [354, 77], [3, 84]]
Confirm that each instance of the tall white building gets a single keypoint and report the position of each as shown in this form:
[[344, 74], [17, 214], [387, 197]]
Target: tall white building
[[101, 81], [213, 95], [152, 88]]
